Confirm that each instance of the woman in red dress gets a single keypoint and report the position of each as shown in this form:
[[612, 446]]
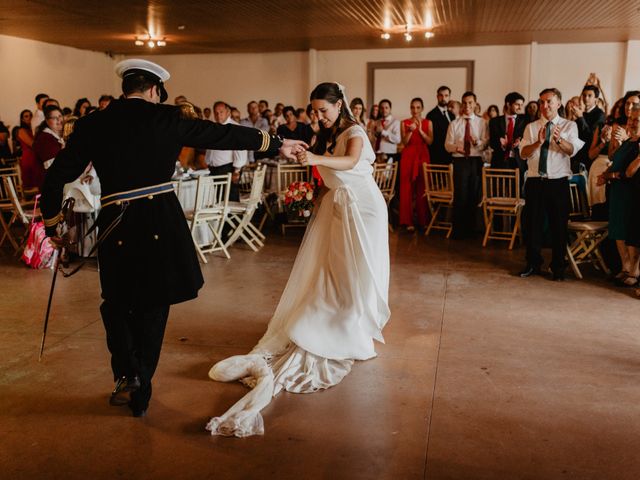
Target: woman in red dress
[[417, 134], [31, 172], [48, 141]]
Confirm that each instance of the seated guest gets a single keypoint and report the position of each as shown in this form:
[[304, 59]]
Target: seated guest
[[466, 139], [80, 110], [548, 145], [506, 131], [207, 114], [262, 106], [357, 108], [292, 129], [619, 129], [621, 199], [48, 139], [278, 117], [51, 102]]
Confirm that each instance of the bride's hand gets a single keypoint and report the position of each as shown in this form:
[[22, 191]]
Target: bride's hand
[[291, 148], [307, 158]]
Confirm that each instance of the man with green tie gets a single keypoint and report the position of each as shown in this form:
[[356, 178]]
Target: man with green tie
[[548, 145]]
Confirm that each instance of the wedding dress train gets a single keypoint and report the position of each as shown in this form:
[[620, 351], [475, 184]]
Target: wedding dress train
[[334, 304]]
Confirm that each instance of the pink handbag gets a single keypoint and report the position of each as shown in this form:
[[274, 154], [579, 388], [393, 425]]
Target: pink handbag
[[38, 252]]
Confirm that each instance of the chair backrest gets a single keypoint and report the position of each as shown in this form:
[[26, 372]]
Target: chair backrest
[[10, 187], [385, 176], [246, 180], [13, 173], [438, 180], [502, 183], [578, 208], [287, 174], [257, 185], [212, 194]]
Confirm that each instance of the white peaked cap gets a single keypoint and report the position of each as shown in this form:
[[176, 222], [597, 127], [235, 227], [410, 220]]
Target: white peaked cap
[[139, 64]]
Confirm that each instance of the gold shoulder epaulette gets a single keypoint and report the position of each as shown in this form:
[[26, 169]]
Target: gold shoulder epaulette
[[266, 141], [52, 222]]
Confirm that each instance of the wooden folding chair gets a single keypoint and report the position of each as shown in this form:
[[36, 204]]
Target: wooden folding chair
[[241, 213], [438, 180], [385, 176], [286, 175], [501, 200], [211, 209], [585, 236], [18, 212]]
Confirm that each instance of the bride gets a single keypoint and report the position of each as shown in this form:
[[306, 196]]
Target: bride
[[335, 302]]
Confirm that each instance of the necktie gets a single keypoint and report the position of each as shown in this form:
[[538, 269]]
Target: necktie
[[544, 151], [507, 152], [467, 137], [444, 112]]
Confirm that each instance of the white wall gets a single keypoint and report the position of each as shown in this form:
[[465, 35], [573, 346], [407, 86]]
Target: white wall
[[66, 74], [237, 78]]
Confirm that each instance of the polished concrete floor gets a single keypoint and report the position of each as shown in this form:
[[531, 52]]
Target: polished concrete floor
[[483, 376]]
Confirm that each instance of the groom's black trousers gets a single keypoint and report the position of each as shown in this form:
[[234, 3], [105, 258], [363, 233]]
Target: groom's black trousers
[[134, 338]]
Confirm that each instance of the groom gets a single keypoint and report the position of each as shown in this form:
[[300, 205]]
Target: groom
[[147, 258]]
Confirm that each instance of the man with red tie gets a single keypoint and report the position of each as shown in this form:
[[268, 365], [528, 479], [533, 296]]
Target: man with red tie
[[466, 138], [506, 131]]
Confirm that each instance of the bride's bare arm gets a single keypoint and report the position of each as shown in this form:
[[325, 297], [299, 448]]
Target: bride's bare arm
[[347, 162]]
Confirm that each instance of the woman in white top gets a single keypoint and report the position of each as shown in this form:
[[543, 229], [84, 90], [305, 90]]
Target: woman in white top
[[335, 303]]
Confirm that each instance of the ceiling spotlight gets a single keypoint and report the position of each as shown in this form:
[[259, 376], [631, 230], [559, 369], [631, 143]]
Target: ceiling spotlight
[[429, 34], [161, 43], [151, 44], [181, 27], [408, 37], [385, 36], [139, 43]]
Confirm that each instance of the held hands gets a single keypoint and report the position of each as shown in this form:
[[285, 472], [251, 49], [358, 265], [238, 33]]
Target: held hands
[[307, 158], [291, 148]]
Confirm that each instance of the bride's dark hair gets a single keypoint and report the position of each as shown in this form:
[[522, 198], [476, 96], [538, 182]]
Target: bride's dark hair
[[331, 92]]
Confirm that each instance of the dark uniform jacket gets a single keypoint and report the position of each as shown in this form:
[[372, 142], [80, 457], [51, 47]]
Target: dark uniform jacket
[[438, 154], [498, 130], [149, 258]]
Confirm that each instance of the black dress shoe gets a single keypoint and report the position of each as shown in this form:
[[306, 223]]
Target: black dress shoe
[[138, 411], [528, 271], [124, 386], [558, 277]]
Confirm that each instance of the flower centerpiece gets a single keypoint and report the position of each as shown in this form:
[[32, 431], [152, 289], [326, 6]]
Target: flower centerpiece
[[299, 200]]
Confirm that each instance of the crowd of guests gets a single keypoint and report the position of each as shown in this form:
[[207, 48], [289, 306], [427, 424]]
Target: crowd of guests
[[547, 141]]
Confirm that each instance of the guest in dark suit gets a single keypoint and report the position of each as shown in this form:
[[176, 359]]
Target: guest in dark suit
[[505, 133], [147, 258], [588, 119], [440, 119]]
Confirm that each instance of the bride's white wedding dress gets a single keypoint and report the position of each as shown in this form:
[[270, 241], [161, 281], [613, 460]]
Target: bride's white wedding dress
[[334, 304]]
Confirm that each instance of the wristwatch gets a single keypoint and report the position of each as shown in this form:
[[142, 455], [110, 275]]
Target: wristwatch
[[558, 141]]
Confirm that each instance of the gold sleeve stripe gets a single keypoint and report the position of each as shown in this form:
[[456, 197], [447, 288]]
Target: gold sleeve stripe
[[266, 141], [52, 222]]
